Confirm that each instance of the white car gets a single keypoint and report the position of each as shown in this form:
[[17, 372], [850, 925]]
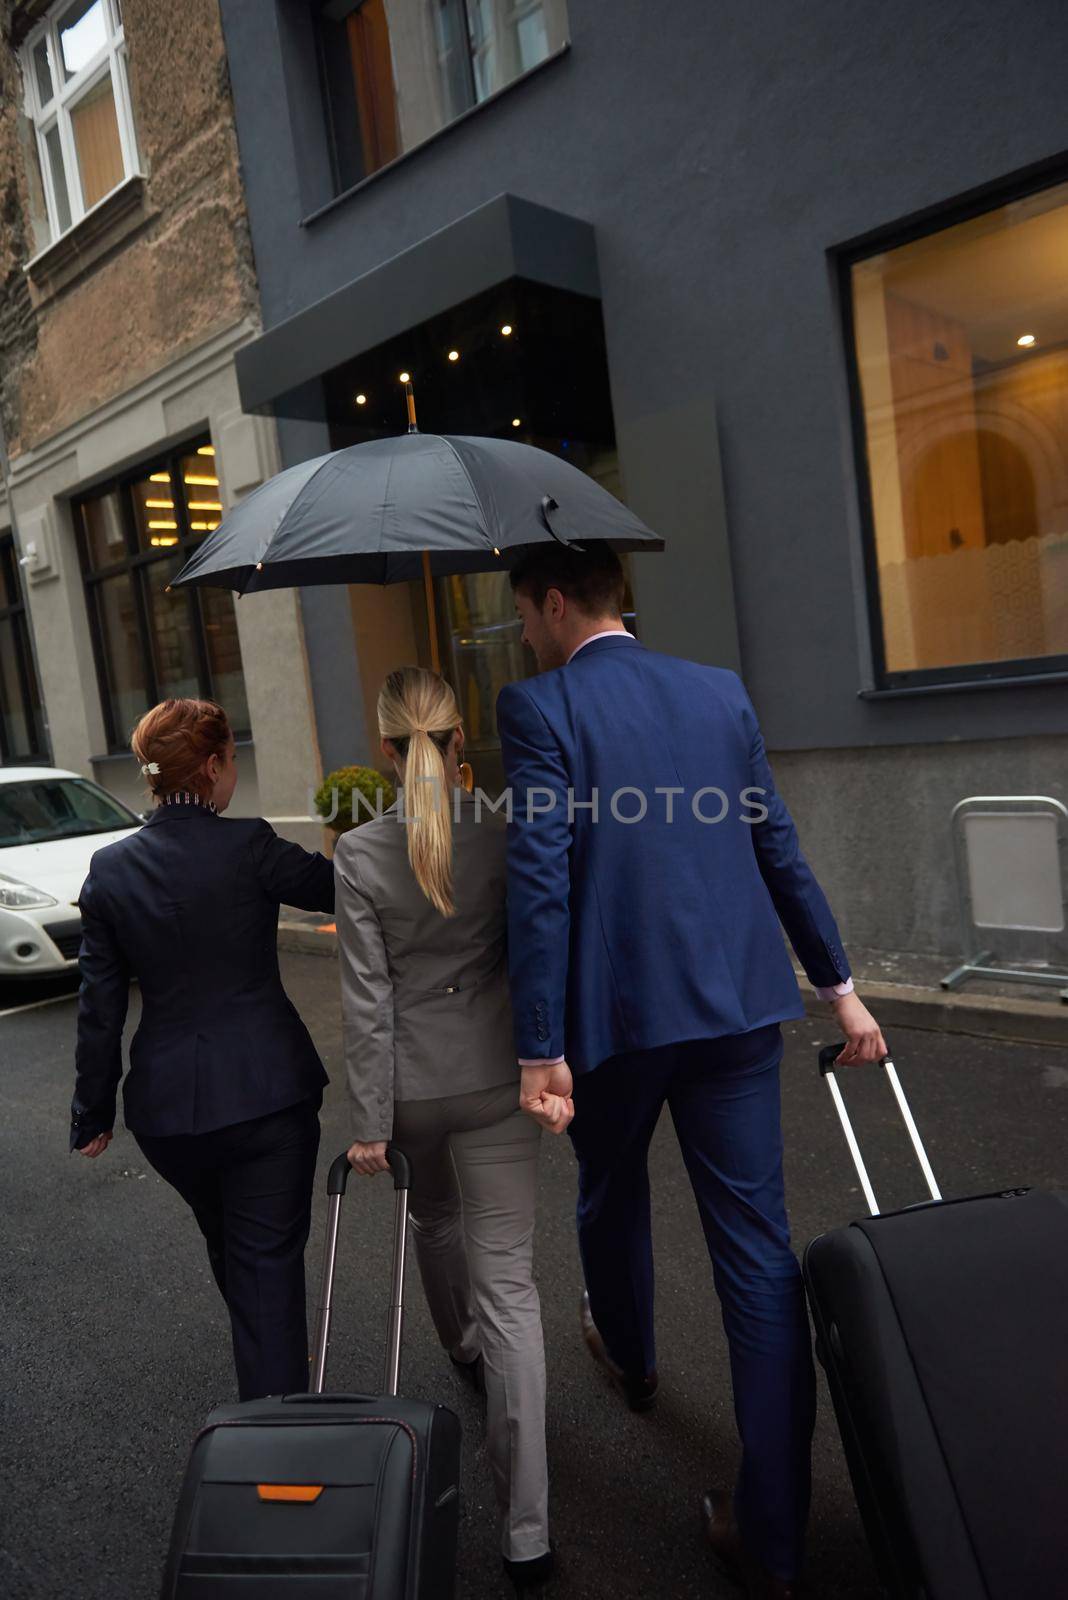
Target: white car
[[51, 822]]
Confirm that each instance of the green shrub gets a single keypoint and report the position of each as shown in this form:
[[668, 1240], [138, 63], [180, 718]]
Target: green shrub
[[334, 799]]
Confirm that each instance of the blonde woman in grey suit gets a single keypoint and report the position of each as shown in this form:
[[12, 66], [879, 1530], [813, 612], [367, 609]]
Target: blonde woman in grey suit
[[430, 1057]]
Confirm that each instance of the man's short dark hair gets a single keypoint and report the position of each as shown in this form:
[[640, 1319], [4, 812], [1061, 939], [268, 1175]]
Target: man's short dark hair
[[591, 579]]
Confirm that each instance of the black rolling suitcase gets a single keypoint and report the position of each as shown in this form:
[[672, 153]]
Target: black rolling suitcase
[[943, 1330], [324, 1496]]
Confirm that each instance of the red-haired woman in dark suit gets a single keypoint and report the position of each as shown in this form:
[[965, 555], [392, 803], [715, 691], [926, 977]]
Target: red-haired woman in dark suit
[[225, 1085]]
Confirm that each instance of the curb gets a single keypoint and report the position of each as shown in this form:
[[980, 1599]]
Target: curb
[[944, 1011], [308, 939], [895, 1004]]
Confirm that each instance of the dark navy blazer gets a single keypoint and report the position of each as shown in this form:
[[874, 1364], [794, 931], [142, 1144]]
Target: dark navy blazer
[[189, 906], [626, 935]]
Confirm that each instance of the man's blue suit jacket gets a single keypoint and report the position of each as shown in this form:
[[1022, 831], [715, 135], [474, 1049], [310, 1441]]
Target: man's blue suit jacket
[[626, 935], [189, 906]]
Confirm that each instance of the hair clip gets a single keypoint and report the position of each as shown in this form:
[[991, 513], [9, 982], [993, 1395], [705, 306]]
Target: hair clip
[[150, 769]]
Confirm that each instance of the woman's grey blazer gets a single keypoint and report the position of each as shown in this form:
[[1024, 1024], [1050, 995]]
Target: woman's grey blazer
[[425, 1002]]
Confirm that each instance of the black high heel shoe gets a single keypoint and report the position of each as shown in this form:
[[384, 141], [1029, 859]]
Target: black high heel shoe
[[530, 1577], [471, 1373]]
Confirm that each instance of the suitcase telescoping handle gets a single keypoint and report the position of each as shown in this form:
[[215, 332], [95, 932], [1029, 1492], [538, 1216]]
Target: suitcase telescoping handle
[[336, 1184], [828, 1055]]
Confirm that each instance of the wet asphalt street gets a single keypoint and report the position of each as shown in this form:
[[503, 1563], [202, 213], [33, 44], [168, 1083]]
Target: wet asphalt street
[[115, 1343]]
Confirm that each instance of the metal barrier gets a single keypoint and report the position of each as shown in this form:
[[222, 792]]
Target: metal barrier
[[1011, 854]]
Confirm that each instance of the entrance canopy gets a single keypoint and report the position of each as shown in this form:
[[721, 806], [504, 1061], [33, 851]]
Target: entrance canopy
[[508, 238]]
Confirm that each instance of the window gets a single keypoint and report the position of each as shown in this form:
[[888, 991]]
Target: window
[[961, 341], [78, 99], [21, 724], [135, 536], [398, 71]]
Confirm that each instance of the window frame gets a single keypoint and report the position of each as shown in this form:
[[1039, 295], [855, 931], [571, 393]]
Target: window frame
[[110, 61], [133, 564], [1021, 671], [17, 615], [344, 191]]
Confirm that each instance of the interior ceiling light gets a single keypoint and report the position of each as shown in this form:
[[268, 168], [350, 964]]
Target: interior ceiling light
[[515, 422], [206, 450], [454, 355], [405, 377], [506, 329], [361, 399], [1026, 340], [205, 483]]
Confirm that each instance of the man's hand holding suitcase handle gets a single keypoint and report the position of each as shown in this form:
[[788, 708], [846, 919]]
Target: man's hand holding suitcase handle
[[864, 1037]]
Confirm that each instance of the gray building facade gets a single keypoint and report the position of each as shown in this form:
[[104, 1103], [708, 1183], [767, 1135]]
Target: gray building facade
[[814, 238]]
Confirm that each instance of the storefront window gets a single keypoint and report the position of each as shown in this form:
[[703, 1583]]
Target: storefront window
[[21, 724], [151, 645], [962, 357], [398, 71]]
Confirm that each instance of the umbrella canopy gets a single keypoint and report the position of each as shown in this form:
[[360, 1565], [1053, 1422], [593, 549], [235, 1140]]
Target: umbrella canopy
[[400, 508]]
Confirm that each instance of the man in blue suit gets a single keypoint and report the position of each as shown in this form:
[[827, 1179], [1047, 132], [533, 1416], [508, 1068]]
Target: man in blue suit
[[651, 863]]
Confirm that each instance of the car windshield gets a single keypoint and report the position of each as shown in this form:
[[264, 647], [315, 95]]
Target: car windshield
[[57, 808]]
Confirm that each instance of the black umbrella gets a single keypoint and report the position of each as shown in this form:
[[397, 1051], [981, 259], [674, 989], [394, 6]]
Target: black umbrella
[[420, 504]]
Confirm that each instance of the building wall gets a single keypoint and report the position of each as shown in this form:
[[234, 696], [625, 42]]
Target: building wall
[[184, 270], [724, 155], [116, 344]]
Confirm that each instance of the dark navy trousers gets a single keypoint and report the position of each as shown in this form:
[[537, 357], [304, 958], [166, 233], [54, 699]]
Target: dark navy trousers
[[723, 1095], [250, 1189]]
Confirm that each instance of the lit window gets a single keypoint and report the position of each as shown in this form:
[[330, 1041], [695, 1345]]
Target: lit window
[[78, 99], [398, 71], [961, 343], [151, 642]]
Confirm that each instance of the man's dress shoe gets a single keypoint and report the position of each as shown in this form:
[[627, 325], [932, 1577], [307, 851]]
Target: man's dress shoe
[[721, 1530], [639, 1390], [530, 1577]]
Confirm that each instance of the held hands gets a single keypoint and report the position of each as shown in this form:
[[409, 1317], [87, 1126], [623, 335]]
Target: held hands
[[97, 1146], [368, 1159], [545, 1095], [864, 1039]]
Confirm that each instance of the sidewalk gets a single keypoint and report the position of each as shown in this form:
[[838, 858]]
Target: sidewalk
[[903, 990]]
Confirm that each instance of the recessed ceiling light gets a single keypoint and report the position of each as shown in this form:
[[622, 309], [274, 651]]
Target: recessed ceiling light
[[361, 399], [516, 422], [454, 355], [506, 329], [405, 377], [1026, 340]]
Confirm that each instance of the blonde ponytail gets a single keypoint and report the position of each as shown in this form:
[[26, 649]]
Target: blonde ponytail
[[417, 710]]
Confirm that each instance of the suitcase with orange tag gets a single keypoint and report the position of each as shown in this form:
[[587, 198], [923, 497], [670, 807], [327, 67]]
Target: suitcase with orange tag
[[338, 1496]]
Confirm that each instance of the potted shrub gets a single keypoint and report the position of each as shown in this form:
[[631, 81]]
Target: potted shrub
[[352, 795]]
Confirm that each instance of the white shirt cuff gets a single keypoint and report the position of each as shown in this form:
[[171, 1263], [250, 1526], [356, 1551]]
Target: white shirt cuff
[[543, 1062], [834, 991]]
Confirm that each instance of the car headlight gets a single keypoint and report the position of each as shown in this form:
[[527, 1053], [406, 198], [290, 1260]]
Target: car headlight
[[22, 896]]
